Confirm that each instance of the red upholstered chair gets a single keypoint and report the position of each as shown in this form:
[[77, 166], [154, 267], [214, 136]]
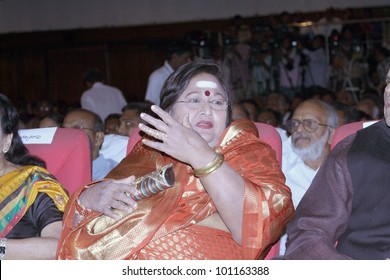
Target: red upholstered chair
[[348, 129], [67, 157], [267, 133], [133, 139]]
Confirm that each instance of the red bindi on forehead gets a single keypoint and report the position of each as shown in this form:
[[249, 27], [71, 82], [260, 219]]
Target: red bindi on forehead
[[207, 93]]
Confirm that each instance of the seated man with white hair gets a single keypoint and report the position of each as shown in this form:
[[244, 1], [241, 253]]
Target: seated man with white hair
[[311, 126]]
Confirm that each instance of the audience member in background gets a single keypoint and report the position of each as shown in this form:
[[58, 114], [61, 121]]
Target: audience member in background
[[251, 107], [346, 97], [130, 118], [52, 120], [371, 104], [229, 200], [111, 124], [61, 107], [290, 79], [236, 61], [92, 124], [311, 126], [368, 108], [114, 146], [239, 111], [270, 117], [41, 108], [99, 97], [346, 114], [273, 118], [32, 201], [279, 103], [345, 212], [328, 23], [317, 92], [382, 58], [314, 59], [298, 99], [262, 78], [177, 54]]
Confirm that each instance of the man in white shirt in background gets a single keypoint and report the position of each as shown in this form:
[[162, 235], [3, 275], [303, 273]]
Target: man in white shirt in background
[[92, 125], [311, 126], [101, 98], [130, 118], [178, 53]]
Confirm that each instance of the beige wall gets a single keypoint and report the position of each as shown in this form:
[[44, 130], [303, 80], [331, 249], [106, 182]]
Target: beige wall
[[44, 15]]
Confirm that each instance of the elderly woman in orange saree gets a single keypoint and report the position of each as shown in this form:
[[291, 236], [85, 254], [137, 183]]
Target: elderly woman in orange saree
[[229, 199]]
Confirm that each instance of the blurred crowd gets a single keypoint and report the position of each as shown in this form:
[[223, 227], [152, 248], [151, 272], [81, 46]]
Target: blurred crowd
[[339, 57]]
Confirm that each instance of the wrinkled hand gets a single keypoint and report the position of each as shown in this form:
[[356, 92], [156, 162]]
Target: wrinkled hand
[[177, 140], [110, 196]]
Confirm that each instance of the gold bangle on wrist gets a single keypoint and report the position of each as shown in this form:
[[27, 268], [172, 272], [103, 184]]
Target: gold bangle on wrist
[[211, 167]]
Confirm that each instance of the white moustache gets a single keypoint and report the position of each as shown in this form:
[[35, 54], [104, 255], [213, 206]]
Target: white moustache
[[300, 135]]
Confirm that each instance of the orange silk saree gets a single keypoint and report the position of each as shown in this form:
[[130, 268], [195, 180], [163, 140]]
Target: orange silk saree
[[165, 226]]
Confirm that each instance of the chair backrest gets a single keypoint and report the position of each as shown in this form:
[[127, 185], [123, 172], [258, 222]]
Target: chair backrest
[[67, 157], [348, 129], [133, 139], [269, 135]]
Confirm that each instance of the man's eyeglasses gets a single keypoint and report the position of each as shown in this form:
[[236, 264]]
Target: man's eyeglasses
[[80, 127], [129, 124], [309, 125], [195, 104]]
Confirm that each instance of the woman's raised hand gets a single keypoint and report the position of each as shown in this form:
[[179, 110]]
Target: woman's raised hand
[[176, 139]]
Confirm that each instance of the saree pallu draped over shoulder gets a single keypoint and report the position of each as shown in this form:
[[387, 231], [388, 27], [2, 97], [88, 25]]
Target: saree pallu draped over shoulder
[[19, 189], [165, 226]]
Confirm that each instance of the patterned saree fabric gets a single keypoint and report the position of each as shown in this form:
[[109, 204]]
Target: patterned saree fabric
[[165, 226], [20, 187]]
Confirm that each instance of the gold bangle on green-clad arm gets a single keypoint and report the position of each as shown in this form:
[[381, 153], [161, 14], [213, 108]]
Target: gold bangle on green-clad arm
[[211, 167]]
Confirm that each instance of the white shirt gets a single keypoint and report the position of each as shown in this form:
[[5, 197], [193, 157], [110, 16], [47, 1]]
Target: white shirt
[[262, 77], [156, 82], [316, 72], [290, 78], [114, 147], [113, 150], [283, 133], [101, 167], [298, 178], [103, 100]]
